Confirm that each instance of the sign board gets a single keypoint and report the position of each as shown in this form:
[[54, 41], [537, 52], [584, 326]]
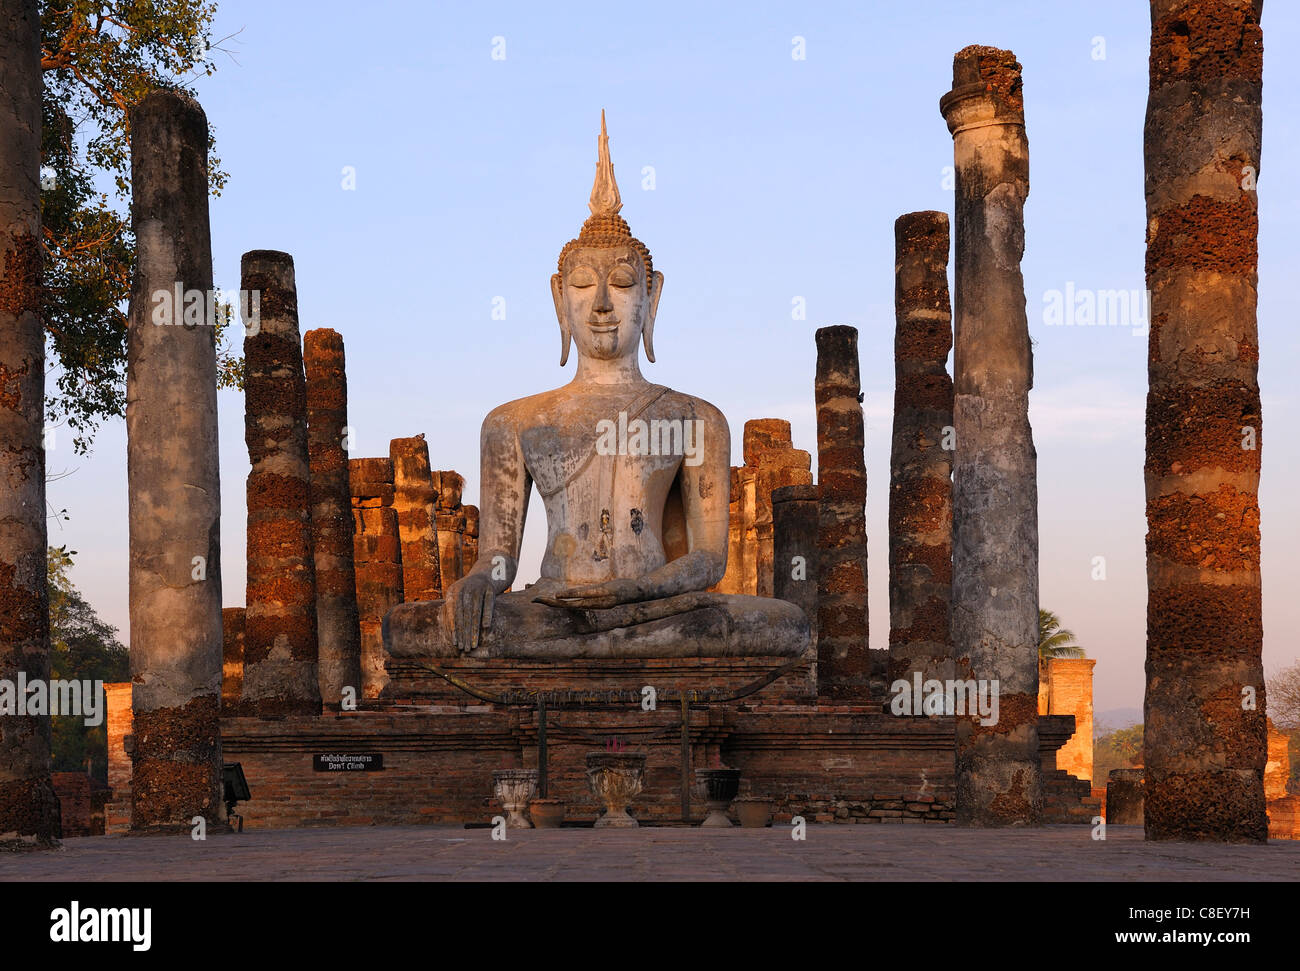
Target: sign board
[[348, 762]]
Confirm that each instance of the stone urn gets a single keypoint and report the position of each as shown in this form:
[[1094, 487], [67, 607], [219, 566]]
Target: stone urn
[[514, 788], [615, 779], [754, 812], [547, 813], [718, 787]]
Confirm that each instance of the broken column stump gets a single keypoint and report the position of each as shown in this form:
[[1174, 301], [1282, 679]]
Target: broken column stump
[[843, 661], [994, 617], [450, 522], [377, 553], [173, 477], [1205, 740], [415, 500], [338, 623], [281, 659]]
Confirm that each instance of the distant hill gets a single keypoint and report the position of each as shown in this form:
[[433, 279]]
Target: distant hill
[[1115, 718]]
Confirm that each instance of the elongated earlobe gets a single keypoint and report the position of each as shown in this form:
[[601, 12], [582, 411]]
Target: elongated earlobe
[[648, 331], [565, 336]]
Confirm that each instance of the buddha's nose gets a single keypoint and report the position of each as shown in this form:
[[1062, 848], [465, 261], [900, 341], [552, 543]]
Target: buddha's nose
[[603, 304]]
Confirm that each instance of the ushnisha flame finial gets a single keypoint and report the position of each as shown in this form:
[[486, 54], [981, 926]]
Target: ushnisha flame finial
[[605, 200]]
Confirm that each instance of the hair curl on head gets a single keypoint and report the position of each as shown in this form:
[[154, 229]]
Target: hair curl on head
[[607, 231]]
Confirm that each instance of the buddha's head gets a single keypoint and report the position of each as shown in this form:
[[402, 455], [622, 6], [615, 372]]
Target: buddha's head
[[607, 290]]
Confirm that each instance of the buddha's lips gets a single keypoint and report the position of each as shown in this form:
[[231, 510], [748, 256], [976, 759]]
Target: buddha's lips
[[603, 328]]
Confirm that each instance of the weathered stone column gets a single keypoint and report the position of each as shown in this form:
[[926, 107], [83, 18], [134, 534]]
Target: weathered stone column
[[377, 550], [469, 553], [281, 669], [415, 501], [28, 806], [1204, 747], [920, 460], [843, 664], [794, 548], [450, 519], [994, 616], [339, 629], [173, 476]]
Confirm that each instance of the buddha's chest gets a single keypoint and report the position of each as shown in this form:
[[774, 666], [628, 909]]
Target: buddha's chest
[[590, 466]]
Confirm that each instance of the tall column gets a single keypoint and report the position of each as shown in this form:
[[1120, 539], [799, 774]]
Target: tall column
[[994, 615], [415, 502], [173, 480], [794, 548], [469, 553], [280, 640], [377, 549], [339, 629], [920, 460], [450, 518], [1205, 747], [28, 806], [843, 664]]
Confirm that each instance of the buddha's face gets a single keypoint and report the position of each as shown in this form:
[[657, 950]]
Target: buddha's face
[[602, 301]]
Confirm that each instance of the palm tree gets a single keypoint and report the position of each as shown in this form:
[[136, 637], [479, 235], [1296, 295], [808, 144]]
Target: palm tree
[[1053, 640]]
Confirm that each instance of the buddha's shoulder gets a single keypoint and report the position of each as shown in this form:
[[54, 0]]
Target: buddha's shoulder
[[527, 409], [679, 403]]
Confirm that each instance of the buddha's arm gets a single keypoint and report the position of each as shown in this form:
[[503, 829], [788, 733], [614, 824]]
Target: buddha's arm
[[503, 500], [503, 505]]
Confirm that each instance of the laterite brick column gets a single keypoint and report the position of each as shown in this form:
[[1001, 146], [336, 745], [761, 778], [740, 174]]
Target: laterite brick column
[[794, 548], [994, 619], [451, 524], [415, 499], [28, 806], [1205, 748], [377, 549], [281, 669], [469, 552], [920, 467], [338, 624], [173, 478], [232, 658], [843, 664]]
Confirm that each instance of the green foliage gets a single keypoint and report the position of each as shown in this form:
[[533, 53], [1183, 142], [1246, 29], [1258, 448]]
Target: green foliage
[[83, 648], [99, 59], [1120, 749], [1053, 640]]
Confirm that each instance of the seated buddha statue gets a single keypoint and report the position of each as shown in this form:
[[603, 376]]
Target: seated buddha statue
[[635, 480]]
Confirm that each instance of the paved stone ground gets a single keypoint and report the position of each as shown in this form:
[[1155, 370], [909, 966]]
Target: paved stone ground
[[830, 852]]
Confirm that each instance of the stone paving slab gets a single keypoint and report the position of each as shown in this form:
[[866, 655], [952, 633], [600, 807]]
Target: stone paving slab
[[830, 852]]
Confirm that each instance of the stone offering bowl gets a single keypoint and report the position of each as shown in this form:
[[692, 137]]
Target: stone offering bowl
[[514, 788], [615, 779], [718, 787]]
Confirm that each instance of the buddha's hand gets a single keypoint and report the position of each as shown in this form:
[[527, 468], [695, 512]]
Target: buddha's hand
[[467, 610], [596, 596]]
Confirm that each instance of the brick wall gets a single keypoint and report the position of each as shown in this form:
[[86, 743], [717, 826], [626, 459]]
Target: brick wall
[[117, 810], [1065, 688]]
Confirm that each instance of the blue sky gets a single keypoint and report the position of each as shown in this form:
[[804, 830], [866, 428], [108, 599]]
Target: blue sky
[[773, 178]]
